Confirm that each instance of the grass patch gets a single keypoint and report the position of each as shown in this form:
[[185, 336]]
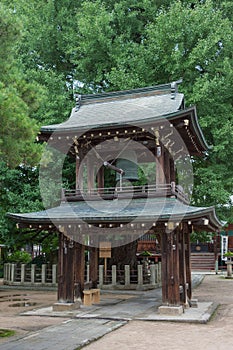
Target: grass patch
[[6, 333]]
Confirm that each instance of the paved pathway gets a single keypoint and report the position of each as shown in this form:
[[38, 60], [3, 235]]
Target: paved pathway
[[89, 323]]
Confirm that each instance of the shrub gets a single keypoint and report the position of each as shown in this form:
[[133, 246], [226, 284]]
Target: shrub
[[19, 257]]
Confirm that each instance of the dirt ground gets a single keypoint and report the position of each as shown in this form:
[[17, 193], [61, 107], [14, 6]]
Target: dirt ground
[[15, 301], [216, 335]]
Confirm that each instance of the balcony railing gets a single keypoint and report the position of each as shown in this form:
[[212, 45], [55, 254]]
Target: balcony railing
[[110, 193]]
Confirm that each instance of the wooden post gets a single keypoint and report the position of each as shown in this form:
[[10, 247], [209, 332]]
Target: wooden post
[[54, 274], [167, 172], [100, 178], [160, 176], [90, 174], [188, 264], [79, 269], [175, 281], [60, 292], [65, 270], [77, 187], [172, 170], [170, 268], [94, 266], [164, 267], [182, 249]]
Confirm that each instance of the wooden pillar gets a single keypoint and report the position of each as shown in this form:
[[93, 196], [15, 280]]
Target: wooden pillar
[[80, 165], [163, 243], [94, 266], [167, 171], [182, 247], [77, 175], [90, 173], [100, 178], [188, 264], [170, 268], [60, 292], [175, 275], [160, 176], [79, 269], [172, 170], [65, 270]]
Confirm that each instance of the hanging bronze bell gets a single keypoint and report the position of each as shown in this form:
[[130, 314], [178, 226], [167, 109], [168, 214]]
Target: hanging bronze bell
[[128, 163]]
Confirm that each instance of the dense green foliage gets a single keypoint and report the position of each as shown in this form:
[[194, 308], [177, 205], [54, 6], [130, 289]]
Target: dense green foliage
[[19, 257], [50, 49]]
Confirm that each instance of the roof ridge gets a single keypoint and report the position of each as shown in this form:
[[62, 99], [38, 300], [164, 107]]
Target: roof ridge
[[168, 88]]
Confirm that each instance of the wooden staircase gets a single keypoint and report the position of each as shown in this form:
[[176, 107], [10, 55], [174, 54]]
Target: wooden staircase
[[202, 261]]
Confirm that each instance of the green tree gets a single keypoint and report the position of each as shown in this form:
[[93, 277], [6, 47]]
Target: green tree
[[89, 46], [17, 98]]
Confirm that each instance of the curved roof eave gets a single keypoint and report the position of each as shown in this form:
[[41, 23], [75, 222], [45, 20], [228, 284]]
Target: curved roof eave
[[153, 209], [198, 130]]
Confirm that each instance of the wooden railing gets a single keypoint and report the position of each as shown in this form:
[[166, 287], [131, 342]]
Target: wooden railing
[[161, 190]]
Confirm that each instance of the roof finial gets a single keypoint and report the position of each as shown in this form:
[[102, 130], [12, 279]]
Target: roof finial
[[77, 102], [174, 88]]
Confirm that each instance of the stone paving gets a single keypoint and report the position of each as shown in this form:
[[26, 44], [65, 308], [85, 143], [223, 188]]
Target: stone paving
[[82, 326]]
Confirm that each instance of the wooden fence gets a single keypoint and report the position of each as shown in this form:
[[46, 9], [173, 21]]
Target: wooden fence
[[46, 275]]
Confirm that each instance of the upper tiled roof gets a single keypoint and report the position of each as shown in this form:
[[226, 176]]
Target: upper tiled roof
[[122, 107]]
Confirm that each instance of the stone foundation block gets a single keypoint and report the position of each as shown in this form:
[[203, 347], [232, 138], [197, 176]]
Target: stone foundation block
[[66, 306], [170, 310], [193, 303]]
